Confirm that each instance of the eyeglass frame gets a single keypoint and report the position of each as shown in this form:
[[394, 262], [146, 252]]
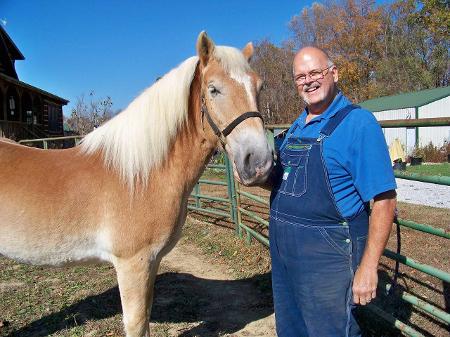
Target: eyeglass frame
[[297, 79]]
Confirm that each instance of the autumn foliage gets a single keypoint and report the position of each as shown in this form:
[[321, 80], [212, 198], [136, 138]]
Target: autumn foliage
[[380, 50]]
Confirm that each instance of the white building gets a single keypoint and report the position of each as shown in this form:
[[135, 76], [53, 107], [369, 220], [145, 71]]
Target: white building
[[430, 103]]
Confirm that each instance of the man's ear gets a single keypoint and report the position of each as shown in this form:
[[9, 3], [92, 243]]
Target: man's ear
[[248, 51], [335, 73], [205, 48]]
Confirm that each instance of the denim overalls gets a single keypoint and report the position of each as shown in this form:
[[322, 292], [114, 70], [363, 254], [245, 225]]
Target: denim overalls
[[315, 250]]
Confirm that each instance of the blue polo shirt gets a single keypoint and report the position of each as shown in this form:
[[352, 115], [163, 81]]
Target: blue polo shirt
[[356, 155]]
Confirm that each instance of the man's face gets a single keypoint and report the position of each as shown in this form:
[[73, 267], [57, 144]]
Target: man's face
[[315, 92]]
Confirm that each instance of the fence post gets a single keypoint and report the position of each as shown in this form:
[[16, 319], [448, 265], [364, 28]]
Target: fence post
[[197, 192], [237, 190], [232, 193]]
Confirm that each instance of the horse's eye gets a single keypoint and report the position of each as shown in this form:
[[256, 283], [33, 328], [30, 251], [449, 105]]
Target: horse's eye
[[213, 90]]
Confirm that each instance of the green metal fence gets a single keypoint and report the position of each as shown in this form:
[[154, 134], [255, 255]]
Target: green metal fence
[[231, 208]]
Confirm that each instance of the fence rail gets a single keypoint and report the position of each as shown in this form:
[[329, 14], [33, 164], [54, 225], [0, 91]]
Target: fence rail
[[46, 141], [395, 123]]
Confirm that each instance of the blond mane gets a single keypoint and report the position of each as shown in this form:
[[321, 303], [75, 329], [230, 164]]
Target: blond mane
[[138, 138]]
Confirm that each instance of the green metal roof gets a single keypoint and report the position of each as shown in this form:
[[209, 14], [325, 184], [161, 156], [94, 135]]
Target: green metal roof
[[408, 100]]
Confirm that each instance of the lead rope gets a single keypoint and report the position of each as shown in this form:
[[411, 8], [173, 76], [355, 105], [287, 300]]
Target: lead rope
[[399, 247], [394, 286]]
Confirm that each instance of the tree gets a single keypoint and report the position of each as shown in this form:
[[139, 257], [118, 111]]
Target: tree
[[434, 19], [86, 116], [350, 32], [278, 100], [380, 50]]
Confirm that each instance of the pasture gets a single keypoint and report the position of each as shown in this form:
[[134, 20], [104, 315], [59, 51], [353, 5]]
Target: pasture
[[442, 169]]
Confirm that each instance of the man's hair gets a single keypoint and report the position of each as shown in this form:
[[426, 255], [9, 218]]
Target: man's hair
[[329, 61]]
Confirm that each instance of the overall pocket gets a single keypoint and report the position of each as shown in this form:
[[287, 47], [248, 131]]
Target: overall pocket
[[338, 238], [294, 160]]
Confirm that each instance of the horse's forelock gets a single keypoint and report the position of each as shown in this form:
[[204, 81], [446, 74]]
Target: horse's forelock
[[231, 59]]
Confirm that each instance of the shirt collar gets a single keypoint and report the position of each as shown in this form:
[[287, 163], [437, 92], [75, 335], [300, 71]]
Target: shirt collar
[[338, 102]]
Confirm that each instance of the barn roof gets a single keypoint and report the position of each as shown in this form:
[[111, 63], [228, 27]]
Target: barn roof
[[35, 89], [12, 48], [408, 100]]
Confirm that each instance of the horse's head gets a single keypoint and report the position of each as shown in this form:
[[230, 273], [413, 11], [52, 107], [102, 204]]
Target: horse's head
[[229, 106]]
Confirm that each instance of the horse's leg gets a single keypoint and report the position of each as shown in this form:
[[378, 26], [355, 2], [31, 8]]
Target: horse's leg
[[136, 277]]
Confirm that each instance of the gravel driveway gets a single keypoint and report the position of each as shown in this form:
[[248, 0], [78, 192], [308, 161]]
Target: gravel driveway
[[416, 192]]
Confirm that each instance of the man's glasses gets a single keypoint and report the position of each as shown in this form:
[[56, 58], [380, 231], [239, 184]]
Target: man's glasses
[[314, 75]]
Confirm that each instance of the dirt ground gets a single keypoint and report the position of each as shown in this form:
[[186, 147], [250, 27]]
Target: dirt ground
[[217, 303]]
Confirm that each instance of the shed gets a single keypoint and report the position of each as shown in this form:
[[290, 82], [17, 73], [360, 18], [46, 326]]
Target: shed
[[430, 103]]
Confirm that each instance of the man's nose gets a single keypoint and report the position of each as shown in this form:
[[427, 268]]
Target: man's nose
[[308, 79]]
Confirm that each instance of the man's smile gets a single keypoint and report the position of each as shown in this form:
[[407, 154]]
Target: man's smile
[[312, 88]]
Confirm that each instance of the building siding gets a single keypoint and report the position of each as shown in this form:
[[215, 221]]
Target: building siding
[[436, 135], [391, 134]]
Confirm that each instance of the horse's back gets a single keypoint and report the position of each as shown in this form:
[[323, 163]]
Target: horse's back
[[38, 222]]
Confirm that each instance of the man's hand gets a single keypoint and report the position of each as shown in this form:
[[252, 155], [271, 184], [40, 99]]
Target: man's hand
[[366, 277], [365, 285]]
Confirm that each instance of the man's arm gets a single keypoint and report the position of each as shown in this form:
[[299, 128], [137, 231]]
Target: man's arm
[[381, 219]]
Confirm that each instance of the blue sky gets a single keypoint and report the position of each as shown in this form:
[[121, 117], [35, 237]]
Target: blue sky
[[118, 48]]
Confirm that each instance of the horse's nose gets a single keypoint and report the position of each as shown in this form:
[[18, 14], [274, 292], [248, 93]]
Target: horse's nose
[[256, 164]]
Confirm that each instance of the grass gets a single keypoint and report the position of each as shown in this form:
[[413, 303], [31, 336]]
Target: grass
[[214, 173], [41, 301], [442, 169], [221, 245]]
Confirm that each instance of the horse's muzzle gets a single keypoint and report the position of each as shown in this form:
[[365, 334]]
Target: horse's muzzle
[[254, 165]]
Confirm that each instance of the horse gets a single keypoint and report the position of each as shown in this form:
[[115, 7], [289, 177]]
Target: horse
[[121, 195]]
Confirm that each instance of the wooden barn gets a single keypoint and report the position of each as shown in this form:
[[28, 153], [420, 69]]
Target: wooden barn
[[26, 112], [430, 103]]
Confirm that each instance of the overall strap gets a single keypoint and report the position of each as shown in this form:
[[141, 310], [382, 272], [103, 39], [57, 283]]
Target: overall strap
[[334, 121]]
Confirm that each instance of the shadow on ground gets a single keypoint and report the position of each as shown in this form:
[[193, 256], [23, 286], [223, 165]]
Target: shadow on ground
[[214, 307], [218, 306]]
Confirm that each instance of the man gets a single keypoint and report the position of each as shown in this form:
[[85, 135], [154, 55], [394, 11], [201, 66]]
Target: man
[[333, 162]]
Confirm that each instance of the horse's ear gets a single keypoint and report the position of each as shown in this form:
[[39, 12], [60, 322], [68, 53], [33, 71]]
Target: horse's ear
[[205, 48], [248, 51]]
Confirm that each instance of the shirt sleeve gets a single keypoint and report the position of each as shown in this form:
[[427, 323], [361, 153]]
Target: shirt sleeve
[[370, 164]]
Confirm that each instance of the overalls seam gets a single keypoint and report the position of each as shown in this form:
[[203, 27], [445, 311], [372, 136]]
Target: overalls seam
[[304, 225], [301, 218]]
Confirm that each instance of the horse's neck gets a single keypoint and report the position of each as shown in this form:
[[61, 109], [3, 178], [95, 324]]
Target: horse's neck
[[188, 158]]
